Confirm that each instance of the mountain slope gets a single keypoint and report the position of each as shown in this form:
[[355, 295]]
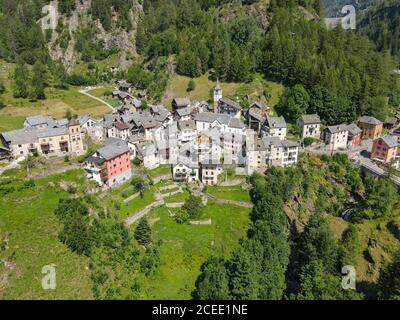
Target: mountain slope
[[382, 25]]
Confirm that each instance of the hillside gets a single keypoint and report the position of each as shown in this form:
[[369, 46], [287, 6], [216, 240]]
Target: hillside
[[381, 23]]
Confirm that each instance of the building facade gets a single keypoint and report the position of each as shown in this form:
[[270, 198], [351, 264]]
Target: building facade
[[310, 126], [371, 127]]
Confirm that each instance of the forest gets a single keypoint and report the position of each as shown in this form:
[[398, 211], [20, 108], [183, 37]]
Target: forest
[[276, 261], [323, 70]]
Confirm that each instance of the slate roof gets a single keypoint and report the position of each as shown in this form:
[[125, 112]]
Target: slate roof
[[353, 129], [84, 119], [184, 111], [275, 122], [256, 115], [51, 132], [310, 118], [95, 160], [187, 125], [113, 150], [289, 144], [230, 103], [188, 162], [275, 141], [181, 102], [221, 118], [39, 120], [121, 125], [146, 149], [390, 141], [160, 113], [20, 136], [369, 120], [337, 128]]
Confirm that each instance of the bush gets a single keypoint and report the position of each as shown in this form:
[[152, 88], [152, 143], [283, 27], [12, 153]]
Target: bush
[[143, 232], [191, 85], [193, 206], [29, 184], [309, 141], [181, 217], [136, 162]]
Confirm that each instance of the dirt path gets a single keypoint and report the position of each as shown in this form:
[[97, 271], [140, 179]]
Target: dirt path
[[131, 220], [86, 93]]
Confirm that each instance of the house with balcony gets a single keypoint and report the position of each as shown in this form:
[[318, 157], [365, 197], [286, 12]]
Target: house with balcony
[[187, 131], [256, 115], [186, 171], [310, 126], [267, 152], [210, 169], [58, 139], [229, 107], [119, 130], [110, 165]]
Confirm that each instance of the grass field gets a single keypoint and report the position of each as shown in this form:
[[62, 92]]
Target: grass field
[[8, 123], [57, 103], [28, 216], [160, 171], [230, 193], [185, 248], [255, 90], [179, 197]]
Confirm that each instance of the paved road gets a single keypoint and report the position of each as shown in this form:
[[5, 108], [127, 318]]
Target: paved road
[[86, 93], [372, 167], [366, 145]]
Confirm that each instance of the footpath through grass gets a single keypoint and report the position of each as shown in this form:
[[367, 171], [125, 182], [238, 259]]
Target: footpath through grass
[[184, 248]]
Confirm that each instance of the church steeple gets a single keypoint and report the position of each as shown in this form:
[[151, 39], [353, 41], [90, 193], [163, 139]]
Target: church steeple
[[217, 95]]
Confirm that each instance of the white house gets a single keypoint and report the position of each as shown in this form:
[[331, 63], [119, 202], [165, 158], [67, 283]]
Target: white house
[[310, 126], [336, 137], [119, 130], [187, 131], [148, 154], [274, 127], [210, 169], [268, 152], [186, 170], [86, 122], [208, 120]]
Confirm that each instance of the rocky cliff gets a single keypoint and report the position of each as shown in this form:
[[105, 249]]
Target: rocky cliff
[[62, 43]]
